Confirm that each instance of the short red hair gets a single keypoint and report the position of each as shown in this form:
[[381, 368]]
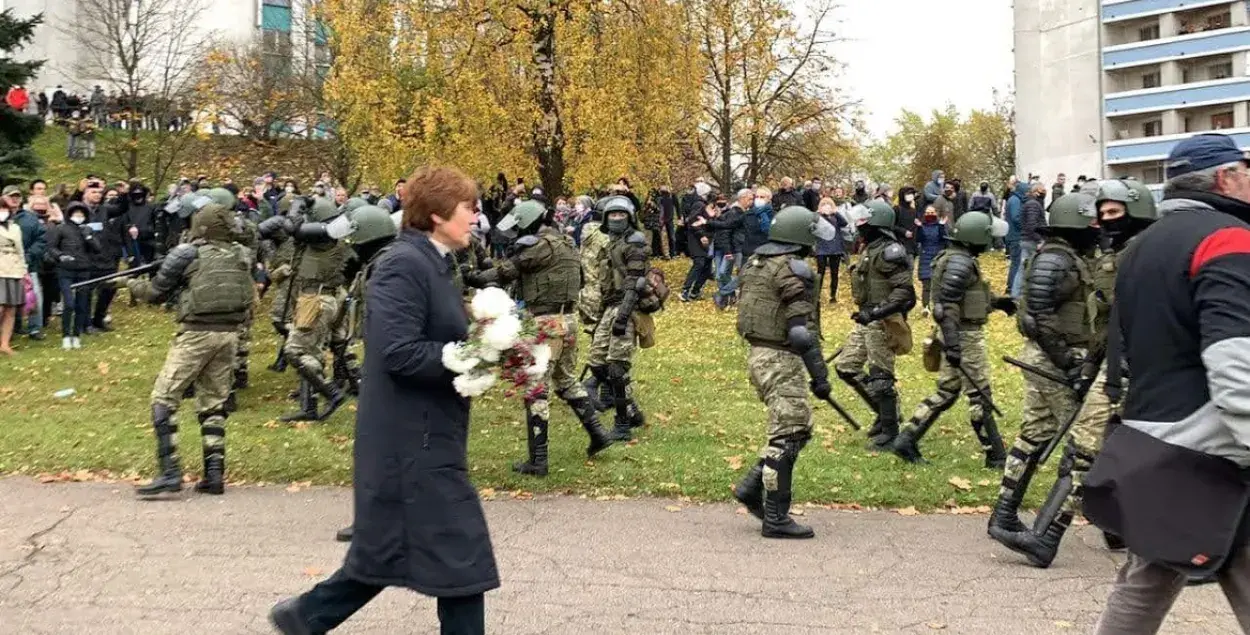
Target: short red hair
[[435, 191]]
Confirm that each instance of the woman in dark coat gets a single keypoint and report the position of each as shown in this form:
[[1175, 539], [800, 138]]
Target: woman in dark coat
[[930, 239], [906, 213], [418, 520]]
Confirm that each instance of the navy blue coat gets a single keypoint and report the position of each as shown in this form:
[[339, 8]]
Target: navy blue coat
[[930, 239], [419, 522]]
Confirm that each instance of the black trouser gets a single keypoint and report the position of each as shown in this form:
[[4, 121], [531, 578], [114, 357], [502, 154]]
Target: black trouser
[[831, 263], [104, 293], [332, 601], [700, 271], [50, 284], [657, 241]]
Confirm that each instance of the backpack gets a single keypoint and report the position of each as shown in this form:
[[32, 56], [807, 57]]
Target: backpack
[[657, 292]]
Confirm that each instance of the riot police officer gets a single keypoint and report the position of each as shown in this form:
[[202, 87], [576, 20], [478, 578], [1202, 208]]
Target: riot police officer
[[545, 264]]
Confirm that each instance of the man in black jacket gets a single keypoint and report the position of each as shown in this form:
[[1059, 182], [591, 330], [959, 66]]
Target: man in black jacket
[[1032, 221], [727, 242], [107, 221], [786, 196], [1170, 478], [698, 241], [811, 196], [668, 215]]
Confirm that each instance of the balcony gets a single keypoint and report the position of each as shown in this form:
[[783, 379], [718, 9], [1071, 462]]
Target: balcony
[[1147, 149], [1220, 91], [1119, 11], [1195, 44]]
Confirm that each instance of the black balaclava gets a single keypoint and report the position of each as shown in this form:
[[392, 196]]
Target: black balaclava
[[870, 233], [1082, 240], [1115, 233]]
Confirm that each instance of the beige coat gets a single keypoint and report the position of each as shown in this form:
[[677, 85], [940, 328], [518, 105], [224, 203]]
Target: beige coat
[[12, 254]]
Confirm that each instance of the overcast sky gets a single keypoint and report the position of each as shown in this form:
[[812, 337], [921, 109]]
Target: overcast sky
[[896, 51]]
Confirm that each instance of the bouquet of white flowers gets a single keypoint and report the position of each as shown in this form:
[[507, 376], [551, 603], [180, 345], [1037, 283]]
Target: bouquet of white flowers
[[505, 343]]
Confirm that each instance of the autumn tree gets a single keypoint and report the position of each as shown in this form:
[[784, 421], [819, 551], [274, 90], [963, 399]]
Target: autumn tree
[[249, 93], [150, 51], [768, 109]]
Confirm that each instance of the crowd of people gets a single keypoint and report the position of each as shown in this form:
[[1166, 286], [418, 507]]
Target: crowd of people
[[582, 266]]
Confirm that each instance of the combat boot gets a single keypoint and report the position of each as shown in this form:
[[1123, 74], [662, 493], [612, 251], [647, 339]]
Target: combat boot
[[307, 405], [584, 408], [750, 490], [240, 379], [1040, 549], [1005, 518], [855, 381], [232, 402], [169, 478], [345, 534], [536, 443], [906, 445], [887, 408], [213, 434], [599, 388], [317, 382], [346, 374], [777, 520], [986, 430], [279, 362]]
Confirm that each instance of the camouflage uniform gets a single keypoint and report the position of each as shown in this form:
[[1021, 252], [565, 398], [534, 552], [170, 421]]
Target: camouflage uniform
[[318, 286], [1056, 287], [882, 285], [622, 265], [247, 237], [590, 302], [217, 294], [547, 272]]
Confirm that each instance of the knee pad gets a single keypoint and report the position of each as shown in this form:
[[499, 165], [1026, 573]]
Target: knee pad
[[849, 377], [790, 445], [879, 381], [618, 370]]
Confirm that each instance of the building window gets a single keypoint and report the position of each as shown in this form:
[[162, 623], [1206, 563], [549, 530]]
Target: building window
[[1219, 21], [1148, 33], [275, 15], [1189, 123], [276, 49], [1152, 80], [1222, 121], [1152, 174], [1186, 76], [1152, 128], [1220, 71]]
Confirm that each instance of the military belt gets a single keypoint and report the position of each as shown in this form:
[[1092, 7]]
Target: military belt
[[554, 309]]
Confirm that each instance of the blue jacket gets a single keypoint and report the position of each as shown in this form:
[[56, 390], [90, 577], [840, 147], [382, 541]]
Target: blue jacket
[[832, 247], [34, 239], [1014, 206], [755, 224], [930, 239]]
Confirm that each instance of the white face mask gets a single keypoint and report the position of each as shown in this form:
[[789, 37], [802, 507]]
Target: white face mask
[[825, 209], [77, 220], [910, 197], [760, 202]]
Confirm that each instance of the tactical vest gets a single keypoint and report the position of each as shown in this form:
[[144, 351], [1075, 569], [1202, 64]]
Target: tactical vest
[[219, 286], [590, 303], [283, 254], [559, 283], [1073, 322], [612, 283], [321, 267], [869, 286], [760, 316], [975, 308], [1102, 295]]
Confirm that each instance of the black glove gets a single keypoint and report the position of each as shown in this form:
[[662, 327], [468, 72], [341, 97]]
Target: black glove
[[1004, 304], [619, 328], [1074, 372], [953, 356], [863, 316], [821, 389]]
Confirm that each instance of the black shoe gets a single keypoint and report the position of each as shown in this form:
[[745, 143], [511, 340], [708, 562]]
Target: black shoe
[[905, 447], [214, 481], [307, 406], [169, 479], [750, 490], [285, 617], [334, 399], [991, 443], [38, 336], [100, 328], [777, 520], [232, 402], [1039, 549], [621, 430], [586, 413], [536, 444], [1005, 518], [345, 534], [887, 409]]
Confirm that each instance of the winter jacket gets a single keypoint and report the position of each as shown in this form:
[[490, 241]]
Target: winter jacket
[[110, 220], [960, 204], [12, 256], [811, 199], [78, 242], [34, 239], [932, 190], [1032, 219], [832, 247], [755, 224], [785, 198], [983, 202], [930, 239], [905, 217], [1014, 204], [727, 232]]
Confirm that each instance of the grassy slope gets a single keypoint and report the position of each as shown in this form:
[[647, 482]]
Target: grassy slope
[[705, 421]]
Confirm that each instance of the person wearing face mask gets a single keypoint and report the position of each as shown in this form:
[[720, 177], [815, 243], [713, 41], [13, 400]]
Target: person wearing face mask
[[757, 220], [1125, 209], [623, 289], [71, 247], [813, 194], [861, 193], [727, 243], [933, 189], [12, 266], [906, 213], [960, 311], [930, 232], [829, 253], [1055, 322], [881, 282], [34, 245], [777, 317], [109, 223]]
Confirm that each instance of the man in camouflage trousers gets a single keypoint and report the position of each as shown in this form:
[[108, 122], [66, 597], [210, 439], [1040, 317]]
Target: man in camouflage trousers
[[214, 276], [623, 269], [961, 307], [590, 300], [1125, 209], [776, 317], [318, 286], [1054, 321], [245, 235], [275, 233], [882, 285], [546, 266]]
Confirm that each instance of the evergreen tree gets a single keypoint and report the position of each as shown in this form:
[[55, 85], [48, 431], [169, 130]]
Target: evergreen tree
[[17, 130]]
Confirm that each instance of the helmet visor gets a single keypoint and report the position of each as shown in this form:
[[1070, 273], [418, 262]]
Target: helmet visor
[[823, 229], [860, 215], [341, 227], [507, 223], [998, 228]]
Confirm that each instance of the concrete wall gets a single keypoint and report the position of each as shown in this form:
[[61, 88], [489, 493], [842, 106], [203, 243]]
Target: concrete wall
[[1058, 106]]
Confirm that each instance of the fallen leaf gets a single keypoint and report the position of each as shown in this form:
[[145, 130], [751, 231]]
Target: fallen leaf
[[965, 511], [672, 508], [663, 418], [960, 483], [1063, 624], [908, 511], [313, 572], [735, 462], [103, 367], [487, 493], [985, 482], [937, 626]]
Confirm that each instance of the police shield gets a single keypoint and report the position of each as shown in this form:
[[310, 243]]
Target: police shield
[[823, 229], [341, 227], [998, 228]]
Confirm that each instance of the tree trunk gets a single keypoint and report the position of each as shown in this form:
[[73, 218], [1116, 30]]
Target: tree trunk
[[132, 152], [549, 130]]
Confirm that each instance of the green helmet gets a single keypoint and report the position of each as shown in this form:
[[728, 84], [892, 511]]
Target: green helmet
[[352, 204], [527, 213], [793, 225], [1113, 190], [370, 223], [323, 210], [974, 228], [214, 222], [1141, 204], [1073, 211], [617, 204], [222, 197], [880, 215]]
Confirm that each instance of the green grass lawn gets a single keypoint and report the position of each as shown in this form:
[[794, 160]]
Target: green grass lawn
[[705, 422]]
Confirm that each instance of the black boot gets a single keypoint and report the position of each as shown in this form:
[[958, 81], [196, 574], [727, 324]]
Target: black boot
[[536, 443], [316, 381], [887, 409], [240, 378], [906, 445], [1041, 548], [214, 481], [307, 405], [345, 534], [986, 430], [286, 618], [750, 490], [855, 381], [628, 416], [279, 363], [346, 374], [232, 402], [599, 388], [1005, 518], [584, 408], [1113, 542], [777, 520], [169, 478]]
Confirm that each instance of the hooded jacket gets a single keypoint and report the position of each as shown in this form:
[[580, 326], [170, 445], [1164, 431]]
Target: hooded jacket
[[1014, 204], [932, 189], [34, 238], [905, 217], [79, 242], [1032, 218], [729, 236]]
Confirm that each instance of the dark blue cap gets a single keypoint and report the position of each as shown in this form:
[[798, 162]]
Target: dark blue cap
[[1200, 152]]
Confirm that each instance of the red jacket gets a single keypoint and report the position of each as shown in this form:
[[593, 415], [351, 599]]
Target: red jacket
[[17, 98]]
